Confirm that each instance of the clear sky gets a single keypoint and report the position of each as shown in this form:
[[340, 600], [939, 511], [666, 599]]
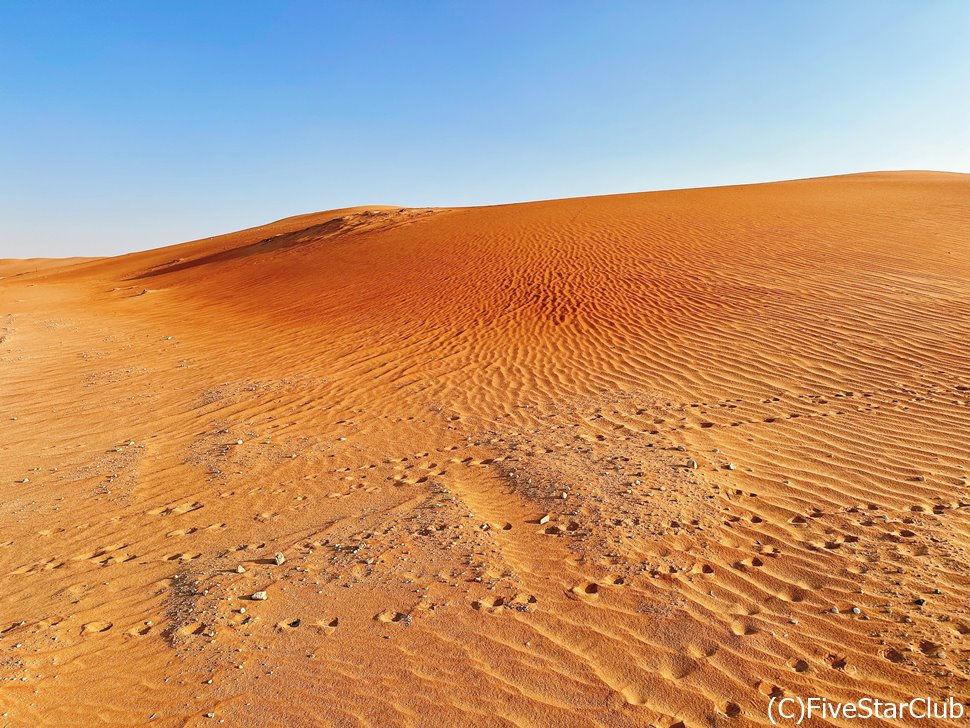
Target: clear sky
[[129, 125]]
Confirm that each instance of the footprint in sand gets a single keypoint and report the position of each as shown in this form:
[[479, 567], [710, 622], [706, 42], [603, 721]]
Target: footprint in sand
[[327, 626], [175, 510], [585, 591], [96, 627], [743, 629], [140, 631], [388, 616], [181, 557]]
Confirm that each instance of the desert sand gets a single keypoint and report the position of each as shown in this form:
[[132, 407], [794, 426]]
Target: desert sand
[[633, 460]]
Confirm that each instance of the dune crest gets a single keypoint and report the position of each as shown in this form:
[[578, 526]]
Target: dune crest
[[645, 459]]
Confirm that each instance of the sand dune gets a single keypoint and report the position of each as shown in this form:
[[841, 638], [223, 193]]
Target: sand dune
[[602, 461]]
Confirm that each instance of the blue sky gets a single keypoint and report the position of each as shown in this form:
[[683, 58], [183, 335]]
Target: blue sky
[[129, 125]]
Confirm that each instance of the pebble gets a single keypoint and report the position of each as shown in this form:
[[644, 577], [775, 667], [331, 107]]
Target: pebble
[[563, 495], [239, 442], [834, 610], [240, 569], [919, 602], [259, 596], [731, 466], [856, 610], [545, 519], [279, 558], [692, 464]]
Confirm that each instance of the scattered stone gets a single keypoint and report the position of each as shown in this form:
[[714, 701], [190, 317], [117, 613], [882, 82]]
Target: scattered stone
[[856, 610], [563, 495], [692, 464], [279, 558], [239, 442], [919, 602], [240, 569], [544, 520], [731, 466], [259, 596], [834, 610]]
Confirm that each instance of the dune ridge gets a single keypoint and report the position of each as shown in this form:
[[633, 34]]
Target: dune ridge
[[644, 459]]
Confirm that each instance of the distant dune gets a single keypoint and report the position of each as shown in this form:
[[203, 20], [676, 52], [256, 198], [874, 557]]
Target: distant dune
[[644, 459]]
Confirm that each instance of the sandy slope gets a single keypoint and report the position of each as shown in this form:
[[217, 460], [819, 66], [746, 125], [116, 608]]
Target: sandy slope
[[394, 399]]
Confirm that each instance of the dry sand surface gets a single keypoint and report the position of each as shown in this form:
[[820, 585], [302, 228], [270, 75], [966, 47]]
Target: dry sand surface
[[605, 461]]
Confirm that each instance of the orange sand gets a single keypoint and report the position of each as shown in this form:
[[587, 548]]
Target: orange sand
[[394, 398]]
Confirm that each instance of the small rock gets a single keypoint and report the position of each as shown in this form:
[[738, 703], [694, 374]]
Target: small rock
[[259, 596], [834, 610], [240, 569], [279, 559], [731, 466], [239, 442], [856, 610], [919, 602], [692, 464], [563, 495], [545, 519]]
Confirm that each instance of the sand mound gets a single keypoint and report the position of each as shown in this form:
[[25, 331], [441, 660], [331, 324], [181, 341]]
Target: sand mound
[[628, 460]]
